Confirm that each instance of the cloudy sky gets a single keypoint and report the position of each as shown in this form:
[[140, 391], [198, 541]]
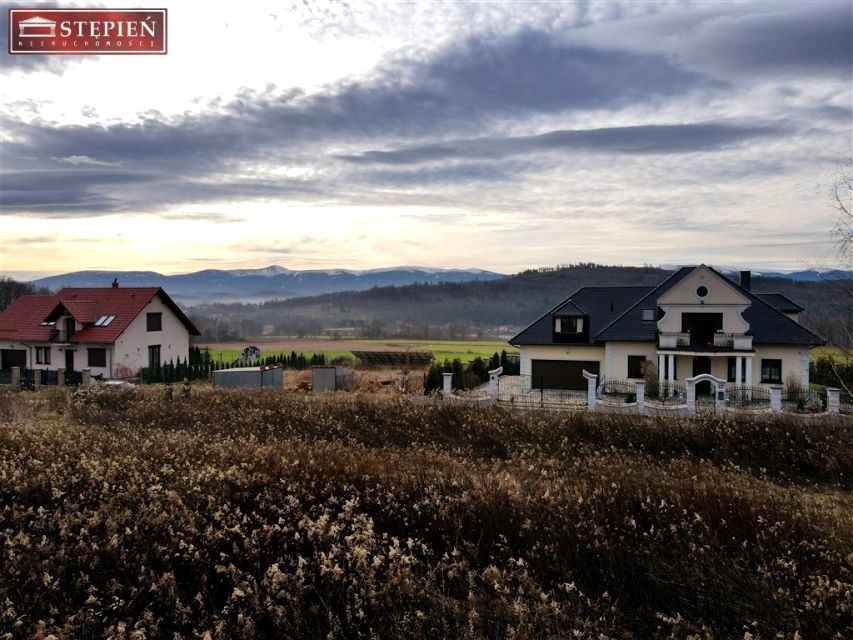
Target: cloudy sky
[[478, 134]]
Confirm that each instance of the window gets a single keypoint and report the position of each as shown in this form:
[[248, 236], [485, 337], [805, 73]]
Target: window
[[155, 321], [702, 291], [568, 325], [771, 371], [648, 315], [42, 355], [97, 357], [635, 366], [154, 356], [104, 321]]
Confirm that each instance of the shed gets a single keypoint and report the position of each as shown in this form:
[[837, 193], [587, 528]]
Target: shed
[[331, 379], [249, 378]]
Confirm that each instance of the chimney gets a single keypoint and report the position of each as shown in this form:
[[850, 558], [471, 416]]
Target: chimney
[[115, 283], [746, 280]]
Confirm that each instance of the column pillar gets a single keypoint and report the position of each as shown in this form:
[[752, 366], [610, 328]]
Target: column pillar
[[691, 396], [661, 363], [60, 377], [720, 396], [447, 389], [670, 374], [641, 396], [87, 376], [16, 377], [37, 378], [776, 398], [738, 369], [591, 385], [804, 376], [748, 380], [833, 400], [494, 381]]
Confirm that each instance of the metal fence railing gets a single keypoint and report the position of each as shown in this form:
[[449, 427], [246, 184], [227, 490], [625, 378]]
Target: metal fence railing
[[519, 391], [804, 400], [617, 391], [666, 393], [747, 397]]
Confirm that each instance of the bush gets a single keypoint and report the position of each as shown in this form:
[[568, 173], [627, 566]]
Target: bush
[[257, 514]]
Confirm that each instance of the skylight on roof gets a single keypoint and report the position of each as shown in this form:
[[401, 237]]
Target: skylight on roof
[[648, 314], [104, 321], [48, 324]]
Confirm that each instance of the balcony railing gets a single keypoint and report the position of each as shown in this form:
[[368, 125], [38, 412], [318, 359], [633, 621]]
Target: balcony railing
[[721, 341], [735, 341], [674, 339]]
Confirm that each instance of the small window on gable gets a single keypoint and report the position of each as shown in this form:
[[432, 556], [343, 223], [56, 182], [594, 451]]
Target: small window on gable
[[568, 325], [104, 321], [649, 315]]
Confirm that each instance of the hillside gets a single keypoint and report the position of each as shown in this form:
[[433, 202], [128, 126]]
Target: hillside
[[494, 307], [268, 283]]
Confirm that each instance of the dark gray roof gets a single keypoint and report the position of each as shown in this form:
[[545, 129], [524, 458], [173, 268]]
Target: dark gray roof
[[781, 302], [616, 314], [599, 304], [630, 324]]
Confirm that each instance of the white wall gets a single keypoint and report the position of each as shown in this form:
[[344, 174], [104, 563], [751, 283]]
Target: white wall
[[722, 297], [621, 351], [131, 347]]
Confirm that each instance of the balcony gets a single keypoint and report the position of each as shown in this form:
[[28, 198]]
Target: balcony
[[674, 340], [719, 341]]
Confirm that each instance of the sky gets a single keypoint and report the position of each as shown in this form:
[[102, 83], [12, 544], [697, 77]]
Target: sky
[[493, 135]]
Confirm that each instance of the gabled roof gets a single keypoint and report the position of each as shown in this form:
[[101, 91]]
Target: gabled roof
[[22, 320], [599, 304], [780, 302], [630, 324]]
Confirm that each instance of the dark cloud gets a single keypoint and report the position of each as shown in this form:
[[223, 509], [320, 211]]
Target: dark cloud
[[646, 139], [788, 38]]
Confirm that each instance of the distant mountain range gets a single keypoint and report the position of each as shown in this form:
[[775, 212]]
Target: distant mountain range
[[268, 283]]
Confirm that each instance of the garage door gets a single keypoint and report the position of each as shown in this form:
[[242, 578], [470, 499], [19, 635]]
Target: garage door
[[13, 358], [561, 374]]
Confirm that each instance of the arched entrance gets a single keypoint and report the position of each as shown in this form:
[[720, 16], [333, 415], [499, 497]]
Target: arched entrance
[[702, 364]]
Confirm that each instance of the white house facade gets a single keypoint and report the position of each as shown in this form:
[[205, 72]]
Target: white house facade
[[112, 331], [697, 321]]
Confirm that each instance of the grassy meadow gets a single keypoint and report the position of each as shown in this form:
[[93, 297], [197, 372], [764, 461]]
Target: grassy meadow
[[269, 515], [465, 350]]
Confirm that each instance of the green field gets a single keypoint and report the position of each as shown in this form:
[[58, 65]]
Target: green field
[[465, 350]]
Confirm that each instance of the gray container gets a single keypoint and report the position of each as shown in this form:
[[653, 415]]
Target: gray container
[[249, 378], [331, 379]]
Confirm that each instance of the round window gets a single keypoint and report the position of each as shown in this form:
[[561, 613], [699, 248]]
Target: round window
[[702, 291]]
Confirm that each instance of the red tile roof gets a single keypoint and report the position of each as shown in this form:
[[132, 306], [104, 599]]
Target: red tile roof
[[22, 320]]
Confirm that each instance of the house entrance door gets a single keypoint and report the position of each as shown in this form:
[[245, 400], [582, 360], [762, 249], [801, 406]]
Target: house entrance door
[[702, 364]]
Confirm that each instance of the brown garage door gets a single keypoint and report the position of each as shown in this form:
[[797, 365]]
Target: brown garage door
[[561, 374]]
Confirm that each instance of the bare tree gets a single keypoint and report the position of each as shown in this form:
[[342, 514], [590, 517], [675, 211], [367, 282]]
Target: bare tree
[[843, 233]]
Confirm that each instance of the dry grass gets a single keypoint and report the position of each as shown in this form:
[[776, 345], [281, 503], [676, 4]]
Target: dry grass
[[262, 515]]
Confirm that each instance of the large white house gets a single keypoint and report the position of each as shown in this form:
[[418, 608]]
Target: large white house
[[111, 331], [697, 321]]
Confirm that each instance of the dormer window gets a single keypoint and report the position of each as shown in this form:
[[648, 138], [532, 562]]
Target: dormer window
[[104, 321], [570, 324]]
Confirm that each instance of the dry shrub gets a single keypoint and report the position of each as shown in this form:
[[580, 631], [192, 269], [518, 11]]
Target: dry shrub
[[258, 515]]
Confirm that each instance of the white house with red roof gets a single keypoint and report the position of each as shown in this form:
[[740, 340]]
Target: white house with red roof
[[112, 331]]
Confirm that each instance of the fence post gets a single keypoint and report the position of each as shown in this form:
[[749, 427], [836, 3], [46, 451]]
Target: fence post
[[776, 398], [447, 389], [833, 399], [691, 396], [16, 377], [641, 396], [60, 377], [37, 378], [494, 376], [591, 385], [87, 377], [720, 397]]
